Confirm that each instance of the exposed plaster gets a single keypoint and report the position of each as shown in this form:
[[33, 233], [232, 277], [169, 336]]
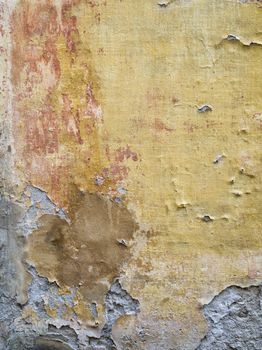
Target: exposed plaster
[[89, 251], [44, 316], [6, 94], [234, 319], [73, 60], [31, 327]]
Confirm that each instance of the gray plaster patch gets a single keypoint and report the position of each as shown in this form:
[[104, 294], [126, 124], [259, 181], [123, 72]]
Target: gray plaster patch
[[234, 320], [41, 204], [17, 332], [11, 243], [117, 303]]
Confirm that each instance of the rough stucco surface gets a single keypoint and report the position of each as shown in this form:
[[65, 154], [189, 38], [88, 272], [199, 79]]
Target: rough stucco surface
[[130, 182], [234, 319]]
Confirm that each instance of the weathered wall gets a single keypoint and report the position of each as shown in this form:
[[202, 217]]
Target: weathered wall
[[130, 173]]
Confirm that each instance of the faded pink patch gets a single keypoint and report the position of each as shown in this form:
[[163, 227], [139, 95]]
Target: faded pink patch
[[124, 153], [118, 171], [42, 132], [257, 117], [95, 3], [72, 121], [70, 30], [252, 270], [115, 172], [190, 127], [161, 126], [154, 98], [93, 109]]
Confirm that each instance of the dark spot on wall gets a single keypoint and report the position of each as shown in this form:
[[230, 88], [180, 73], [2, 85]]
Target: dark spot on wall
[[207, 218]]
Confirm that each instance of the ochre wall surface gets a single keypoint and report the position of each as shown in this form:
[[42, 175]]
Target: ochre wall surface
[[132, 150]]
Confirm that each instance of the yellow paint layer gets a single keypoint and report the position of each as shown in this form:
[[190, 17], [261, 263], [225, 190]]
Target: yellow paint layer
[[126, 108]]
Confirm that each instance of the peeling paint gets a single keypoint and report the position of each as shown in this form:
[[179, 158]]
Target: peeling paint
[[242, 41], [165, 3], [122, 209], [204, 108]]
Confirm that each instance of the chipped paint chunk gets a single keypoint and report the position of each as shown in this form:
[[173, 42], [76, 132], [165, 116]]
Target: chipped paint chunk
[[237, 193], [165, 3], [205, 108], [121, 207]]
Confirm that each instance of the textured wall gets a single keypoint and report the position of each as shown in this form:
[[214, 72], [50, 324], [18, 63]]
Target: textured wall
[[130, 173]]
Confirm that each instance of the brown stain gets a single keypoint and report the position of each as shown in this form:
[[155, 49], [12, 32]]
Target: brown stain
[[85, 253], [174, 100]]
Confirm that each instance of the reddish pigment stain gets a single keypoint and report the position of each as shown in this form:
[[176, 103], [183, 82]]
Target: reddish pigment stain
[[160, 126], [124, 153]]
